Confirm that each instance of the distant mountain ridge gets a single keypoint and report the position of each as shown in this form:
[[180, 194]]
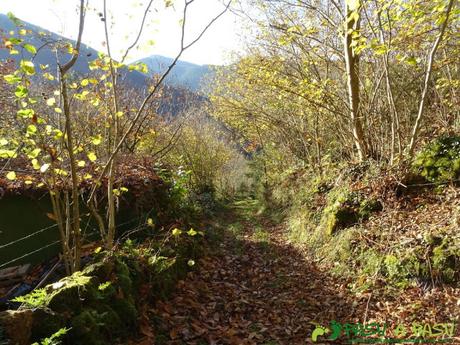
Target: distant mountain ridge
[[184, 74], [46, 56]]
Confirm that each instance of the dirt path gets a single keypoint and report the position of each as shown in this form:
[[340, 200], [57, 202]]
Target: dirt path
[[255, 289]]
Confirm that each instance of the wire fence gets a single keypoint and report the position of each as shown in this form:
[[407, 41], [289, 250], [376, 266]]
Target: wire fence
[[37, 250], [28, 254], [27, 237]]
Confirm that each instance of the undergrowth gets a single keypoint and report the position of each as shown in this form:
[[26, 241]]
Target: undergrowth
[[348, 226]]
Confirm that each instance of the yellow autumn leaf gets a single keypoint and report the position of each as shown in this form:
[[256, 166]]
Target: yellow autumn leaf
[[11, 176], [92, 156], [51, 101], [176, 232], [191, 232]]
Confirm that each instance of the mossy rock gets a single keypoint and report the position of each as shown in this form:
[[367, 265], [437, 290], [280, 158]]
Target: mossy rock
[[446, 262], [17, 326], [97, 325], [101, 270], [99, 304], [71, 293], [86, 328], [46, 322], [369, 206], [346, 209], [341, 211], [123, 277], [127, 312], [111, 321]]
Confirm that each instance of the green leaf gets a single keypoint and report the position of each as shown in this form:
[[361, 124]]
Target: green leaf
[[12, 79], [48, 76], [27, 67], [35, 164], [21, 91], [30, 48], [96, 140], [411, 61], [26, 113], [13, 18], [7, 153], [61, 172], [34, 153], [31, 129]]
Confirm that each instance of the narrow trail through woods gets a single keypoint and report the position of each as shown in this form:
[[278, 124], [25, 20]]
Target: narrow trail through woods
[[254, 288]]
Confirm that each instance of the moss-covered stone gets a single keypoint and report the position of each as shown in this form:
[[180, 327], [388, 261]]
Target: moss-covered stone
[[45, 323], [446, 262], [347, 208], [123, 277], [369, 206], [70, 293], [126, 310], [100, 304], [17, 326], [86, 328]]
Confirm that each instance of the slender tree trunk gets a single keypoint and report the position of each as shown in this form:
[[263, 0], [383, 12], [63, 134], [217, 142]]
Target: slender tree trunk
[[318, 145], [428, 73], [75, 213], [395, 123], [72, 205], [111, 172], [352, 68], [55, 202]]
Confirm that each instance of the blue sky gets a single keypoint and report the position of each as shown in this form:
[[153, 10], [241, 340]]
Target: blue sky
[[161, 36]]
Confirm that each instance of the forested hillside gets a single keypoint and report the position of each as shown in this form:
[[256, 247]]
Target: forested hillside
[[309, 195], [185, 74]]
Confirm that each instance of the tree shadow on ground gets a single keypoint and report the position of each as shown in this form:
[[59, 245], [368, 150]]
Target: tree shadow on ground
[[255, 288]]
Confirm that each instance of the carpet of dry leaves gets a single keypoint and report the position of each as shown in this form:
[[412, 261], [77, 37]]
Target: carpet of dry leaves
[[248, 291]]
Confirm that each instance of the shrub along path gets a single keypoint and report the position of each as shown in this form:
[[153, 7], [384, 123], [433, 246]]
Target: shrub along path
[[256, 288]]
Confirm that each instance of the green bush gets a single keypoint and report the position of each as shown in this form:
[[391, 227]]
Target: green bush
[[439, 161]]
